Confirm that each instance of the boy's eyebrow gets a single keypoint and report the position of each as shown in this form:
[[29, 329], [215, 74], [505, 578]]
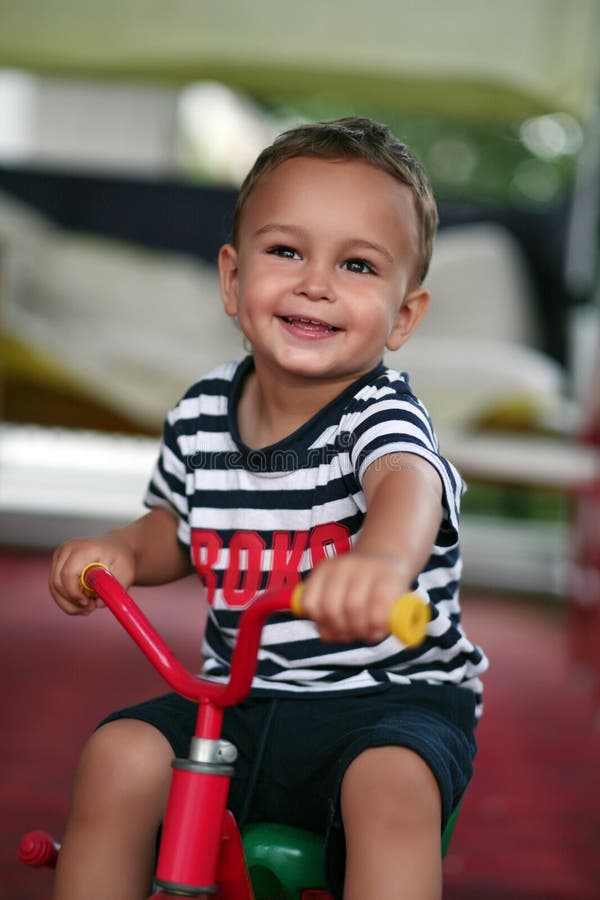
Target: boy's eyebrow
[[298, 231], [275, 226], [362, 242]]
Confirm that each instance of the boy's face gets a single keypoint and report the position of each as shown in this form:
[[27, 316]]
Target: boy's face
[[324, 276]]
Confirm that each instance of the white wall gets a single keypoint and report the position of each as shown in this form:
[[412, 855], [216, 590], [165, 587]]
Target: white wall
[[82, 125]]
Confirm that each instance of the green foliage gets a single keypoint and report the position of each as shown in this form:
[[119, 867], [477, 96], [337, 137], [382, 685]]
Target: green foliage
[[515, 503], [522, 163]]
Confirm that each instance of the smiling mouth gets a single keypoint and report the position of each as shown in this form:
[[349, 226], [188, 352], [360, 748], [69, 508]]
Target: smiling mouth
[[306, 324]]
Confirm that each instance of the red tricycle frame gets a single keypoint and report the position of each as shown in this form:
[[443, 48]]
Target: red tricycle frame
[[201, 851]]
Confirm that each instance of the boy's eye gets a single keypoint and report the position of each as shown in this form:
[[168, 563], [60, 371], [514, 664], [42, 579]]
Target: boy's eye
[[282, 250], [359, 266]]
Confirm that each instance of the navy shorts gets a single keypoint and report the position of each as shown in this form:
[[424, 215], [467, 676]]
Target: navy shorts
[[304, 746]]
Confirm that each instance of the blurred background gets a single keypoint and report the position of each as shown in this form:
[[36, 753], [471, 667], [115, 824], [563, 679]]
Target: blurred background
[[125, 129]]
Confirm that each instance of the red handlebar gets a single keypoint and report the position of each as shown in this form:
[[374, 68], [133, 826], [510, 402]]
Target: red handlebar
[[243, 662], [408, 622]]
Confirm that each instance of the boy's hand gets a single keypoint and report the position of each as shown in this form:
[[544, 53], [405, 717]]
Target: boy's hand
[[351, 597], [70, 559]]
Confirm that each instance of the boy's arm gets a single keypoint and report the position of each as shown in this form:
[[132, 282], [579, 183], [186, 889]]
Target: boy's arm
[[350, 597], [144, 552], [403, 493]]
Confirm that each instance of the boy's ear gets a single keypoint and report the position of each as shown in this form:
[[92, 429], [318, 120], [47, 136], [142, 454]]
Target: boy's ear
[[228, 276], [412, 310]]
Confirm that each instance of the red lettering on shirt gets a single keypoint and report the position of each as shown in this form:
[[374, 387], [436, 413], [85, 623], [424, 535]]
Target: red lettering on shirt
[[327, 540], [205, 551], [286, 559], [243, 575]]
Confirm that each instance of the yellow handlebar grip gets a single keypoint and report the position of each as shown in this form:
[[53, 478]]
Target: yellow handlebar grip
[[408, 619], [83, 583], [296, 601]]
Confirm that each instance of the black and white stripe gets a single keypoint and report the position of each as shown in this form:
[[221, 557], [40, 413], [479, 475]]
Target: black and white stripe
[[258, 512]]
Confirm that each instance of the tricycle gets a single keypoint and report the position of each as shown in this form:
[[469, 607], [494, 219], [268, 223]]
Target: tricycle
[[202, 851]]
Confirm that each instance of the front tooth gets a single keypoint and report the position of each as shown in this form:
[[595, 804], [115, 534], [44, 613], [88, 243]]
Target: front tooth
[[291, 319]]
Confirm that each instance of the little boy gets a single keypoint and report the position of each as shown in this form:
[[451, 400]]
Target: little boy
[[308, 460]]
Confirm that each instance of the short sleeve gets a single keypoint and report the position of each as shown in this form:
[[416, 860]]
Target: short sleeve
[[167, 487], [399, 423]]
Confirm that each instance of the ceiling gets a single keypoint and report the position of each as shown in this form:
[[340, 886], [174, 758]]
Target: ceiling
[[469, 58]]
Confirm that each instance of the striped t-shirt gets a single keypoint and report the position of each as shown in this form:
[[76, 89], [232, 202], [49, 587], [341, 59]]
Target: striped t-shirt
[[260, 519]]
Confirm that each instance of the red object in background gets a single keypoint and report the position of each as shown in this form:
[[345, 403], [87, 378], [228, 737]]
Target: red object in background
[[583, 609]]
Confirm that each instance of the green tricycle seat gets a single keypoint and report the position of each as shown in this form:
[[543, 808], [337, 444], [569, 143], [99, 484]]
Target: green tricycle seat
[[287, 863]]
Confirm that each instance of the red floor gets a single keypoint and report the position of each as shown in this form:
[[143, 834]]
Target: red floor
[[530, 825]]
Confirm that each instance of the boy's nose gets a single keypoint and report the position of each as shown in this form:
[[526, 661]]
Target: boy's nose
[[315, 283]]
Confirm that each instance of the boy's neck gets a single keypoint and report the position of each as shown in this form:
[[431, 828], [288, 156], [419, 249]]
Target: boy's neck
[[271, 408]]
